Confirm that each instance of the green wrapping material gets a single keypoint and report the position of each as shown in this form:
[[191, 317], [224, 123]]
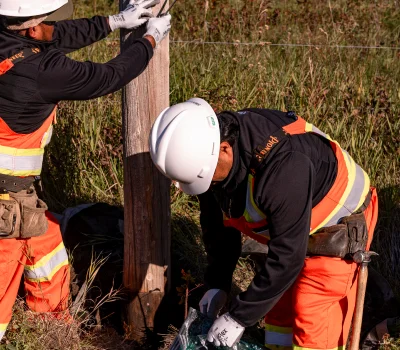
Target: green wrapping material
[[193, 334]]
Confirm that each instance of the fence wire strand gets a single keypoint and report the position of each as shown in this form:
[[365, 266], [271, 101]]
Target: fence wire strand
[[266, 43]]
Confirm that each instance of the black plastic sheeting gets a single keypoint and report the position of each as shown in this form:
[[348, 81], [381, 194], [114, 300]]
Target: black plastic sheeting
[[193, 334]]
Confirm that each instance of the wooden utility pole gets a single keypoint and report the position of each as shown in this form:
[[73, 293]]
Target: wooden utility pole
[[146, 193]]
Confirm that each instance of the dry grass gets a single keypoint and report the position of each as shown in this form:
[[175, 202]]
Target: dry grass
[[55, 331]]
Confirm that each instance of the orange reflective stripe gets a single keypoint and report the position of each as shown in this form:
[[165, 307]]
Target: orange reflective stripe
[[332, 198], [5, 66]]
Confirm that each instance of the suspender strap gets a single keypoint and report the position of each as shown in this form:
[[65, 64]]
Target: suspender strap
[[8, 63]]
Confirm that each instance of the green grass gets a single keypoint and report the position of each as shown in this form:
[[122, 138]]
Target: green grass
[[352, 94]]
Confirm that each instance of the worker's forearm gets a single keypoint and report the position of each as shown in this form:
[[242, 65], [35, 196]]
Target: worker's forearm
[[223, 245], [223, 249], [62, 78], [266, 289]]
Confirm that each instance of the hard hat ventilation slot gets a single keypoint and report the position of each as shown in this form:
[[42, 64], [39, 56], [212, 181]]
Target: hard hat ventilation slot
[[213, 149]]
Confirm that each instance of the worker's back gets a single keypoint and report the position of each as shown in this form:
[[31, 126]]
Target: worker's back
[[255, 126]]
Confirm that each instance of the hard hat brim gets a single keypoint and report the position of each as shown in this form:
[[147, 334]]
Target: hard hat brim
[[197, 188], [62, 13]]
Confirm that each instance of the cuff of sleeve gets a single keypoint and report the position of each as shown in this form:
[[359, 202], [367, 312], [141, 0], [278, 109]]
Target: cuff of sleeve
[[131, 44], [238, 314], [237, 320], [107, 24], [148, 45]]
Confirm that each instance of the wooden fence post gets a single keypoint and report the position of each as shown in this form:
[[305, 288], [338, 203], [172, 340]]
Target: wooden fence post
[[146, 193]]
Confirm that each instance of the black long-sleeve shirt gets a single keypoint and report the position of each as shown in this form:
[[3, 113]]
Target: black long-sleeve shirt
[[294, 178], [32, 88]]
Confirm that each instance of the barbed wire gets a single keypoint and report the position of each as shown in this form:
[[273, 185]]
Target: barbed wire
[[266, 43]]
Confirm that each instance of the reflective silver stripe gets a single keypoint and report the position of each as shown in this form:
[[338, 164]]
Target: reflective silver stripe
[[355, 197], [275, 338], [357, 192], [46, 271], [319, 132], [20, 163], [47, 136]]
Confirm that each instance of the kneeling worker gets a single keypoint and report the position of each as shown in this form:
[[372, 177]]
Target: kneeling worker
[[279, 180], [35, 74]]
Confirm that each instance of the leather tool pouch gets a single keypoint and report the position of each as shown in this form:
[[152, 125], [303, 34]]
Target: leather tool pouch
[[340, 240], [10, 218], [23, 216]]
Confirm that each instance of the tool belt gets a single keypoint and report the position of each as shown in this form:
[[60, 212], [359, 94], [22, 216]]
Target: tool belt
[[344, 239], [22, 215], [15, 184]]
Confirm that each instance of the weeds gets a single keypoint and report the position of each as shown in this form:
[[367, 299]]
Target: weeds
[[29, 330]]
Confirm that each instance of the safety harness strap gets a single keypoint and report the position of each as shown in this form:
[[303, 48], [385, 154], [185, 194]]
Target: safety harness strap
[[8, 63]]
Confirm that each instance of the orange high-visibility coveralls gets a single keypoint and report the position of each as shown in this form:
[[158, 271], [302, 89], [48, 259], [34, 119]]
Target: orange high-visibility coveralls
[[44, 263]]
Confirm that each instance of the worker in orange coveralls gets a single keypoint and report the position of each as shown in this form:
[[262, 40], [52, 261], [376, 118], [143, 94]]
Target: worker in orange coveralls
[[35, 74], [281, 181]]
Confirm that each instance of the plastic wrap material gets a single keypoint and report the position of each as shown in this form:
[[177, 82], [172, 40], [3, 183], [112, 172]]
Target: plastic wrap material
[[193, 334]]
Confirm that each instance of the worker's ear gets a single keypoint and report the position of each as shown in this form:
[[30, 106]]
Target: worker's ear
[[35, 32], [225, 150]]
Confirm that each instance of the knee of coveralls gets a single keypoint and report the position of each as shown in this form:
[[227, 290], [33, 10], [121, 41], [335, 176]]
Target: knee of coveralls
[[47, 271], [278, 323], [12, 260], [324, 300]]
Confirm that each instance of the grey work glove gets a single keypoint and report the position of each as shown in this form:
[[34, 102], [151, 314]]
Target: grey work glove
[[136, 13], [158, 27], [212, 302], [225, 331]]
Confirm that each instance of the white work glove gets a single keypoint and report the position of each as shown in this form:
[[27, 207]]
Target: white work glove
[[158, 27], [212, 302], [136, 13], [225, 331]]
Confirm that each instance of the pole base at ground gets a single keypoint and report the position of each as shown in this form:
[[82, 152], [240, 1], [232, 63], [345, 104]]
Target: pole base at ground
[[140, 316]]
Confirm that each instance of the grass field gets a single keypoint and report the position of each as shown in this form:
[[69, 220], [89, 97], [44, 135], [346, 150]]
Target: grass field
[[351, 93]]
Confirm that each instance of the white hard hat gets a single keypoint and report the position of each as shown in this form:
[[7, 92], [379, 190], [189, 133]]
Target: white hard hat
[[30, 8], [184, 144]]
